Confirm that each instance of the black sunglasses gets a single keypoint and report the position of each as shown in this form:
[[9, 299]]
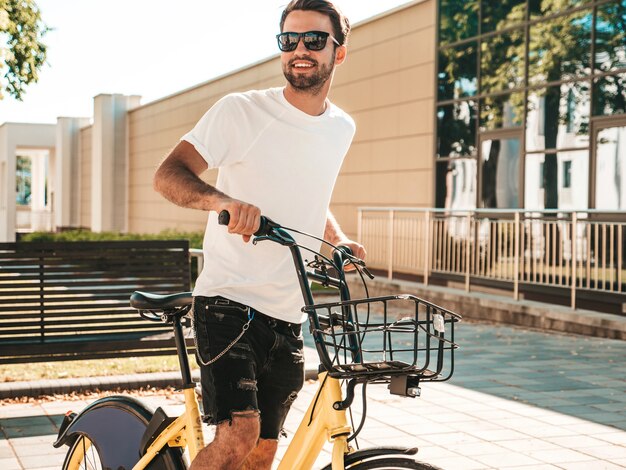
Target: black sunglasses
[[313, 40]]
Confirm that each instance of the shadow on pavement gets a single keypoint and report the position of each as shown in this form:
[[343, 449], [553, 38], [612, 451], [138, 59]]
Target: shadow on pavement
[[29, 426], [575, 375]]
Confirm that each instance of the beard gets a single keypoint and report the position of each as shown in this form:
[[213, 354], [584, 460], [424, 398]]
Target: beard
[[310, 83]]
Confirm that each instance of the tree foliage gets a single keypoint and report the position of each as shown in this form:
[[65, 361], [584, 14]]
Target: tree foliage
[[22, 52]]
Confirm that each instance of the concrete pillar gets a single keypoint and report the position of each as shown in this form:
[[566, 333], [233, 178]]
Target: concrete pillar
[[7, 185], [109, 174], [66, 196]]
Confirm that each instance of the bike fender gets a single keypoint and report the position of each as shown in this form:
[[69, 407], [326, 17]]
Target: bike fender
[[371, 452], [127, 417]]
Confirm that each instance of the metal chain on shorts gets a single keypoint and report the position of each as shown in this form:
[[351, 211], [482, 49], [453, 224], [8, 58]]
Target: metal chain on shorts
[[228, 348]]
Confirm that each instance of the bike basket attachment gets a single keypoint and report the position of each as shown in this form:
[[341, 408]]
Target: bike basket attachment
[[382, 337]]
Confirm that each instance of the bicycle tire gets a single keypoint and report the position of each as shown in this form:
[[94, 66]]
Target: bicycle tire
[[84, 455], [392, 463]]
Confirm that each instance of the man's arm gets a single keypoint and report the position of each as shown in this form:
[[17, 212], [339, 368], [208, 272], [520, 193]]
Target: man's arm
[[178, 179], [333, 234]]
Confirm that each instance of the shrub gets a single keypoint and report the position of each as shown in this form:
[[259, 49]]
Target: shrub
[[195, 238]]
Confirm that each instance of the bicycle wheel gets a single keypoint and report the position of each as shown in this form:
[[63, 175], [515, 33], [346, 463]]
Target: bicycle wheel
[[392, 463], [82, 456], [108, 435]]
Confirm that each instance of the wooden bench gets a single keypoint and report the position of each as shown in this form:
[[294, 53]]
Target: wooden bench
[[70, 300]]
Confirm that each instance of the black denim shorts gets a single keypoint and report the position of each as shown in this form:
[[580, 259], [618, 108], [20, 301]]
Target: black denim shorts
[[263, 371]]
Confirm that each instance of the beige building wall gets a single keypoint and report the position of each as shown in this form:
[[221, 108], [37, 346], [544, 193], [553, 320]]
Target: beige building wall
[[85, 177], [386, 85]]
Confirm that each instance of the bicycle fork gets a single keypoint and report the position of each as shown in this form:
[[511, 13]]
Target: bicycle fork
[[320, 423]]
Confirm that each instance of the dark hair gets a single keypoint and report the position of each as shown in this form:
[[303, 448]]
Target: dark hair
[[341, 25]]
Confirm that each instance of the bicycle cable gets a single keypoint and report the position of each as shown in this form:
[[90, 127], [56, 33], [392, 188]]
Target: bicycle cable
[[363, 416], [342, 279]]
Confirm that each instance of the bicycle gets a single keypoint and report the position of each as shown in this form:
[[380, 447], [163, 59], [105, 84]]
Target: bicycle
[[358, 342]]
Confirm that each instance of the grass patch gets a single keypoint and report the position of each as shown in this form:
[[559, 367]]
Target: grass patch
[[89, 368]]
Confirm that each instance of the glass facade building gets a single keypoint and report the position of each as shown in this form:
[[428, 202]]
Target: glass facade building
[[531, 104]]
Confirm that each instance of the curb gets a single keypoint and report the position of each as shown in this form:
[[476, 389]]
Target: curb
[[495, 308], [35, 388]]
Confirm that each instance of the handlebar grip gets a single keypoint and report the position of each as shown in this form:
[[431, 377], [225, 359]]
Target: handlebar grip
[[264, 229], [346, 249]]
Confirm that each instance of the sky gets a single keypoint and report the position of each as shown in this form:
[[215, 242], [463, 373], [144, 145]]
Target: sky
[[151, 48]]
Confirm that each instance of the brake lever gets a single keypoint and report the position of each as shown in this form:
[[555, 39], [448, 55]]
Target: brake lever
[[279, 240], [367, 272]]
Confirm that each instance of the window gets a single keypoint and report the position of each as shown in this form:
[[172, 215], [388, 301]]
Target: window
[[558, 117], [560, 48], [458, 20], [611, 169], [610, 37], [502, 111], [456, 184], [567, 174], [609, 95], [501, 14], [557, 180], [457, 72], [500, 159], [456, 129], [544, 67], [502, 62]]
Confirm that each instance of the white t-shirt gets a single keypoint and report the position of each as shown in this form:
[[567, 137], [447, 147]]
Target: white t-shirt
[[284, 161]]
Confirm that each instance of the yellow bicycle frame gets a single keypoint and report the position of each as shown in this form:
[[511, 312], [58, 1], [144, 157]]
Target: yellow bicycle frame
[[186, 430], [320, 423]]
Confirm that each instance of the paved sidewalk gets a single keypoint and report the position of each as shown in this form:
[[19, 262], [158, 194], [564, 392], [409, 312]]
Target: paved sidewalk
[[518, 399], [453, 427]]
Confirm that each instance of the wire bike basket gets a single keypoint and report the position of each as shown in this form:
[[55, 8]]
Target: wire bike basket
[[381, 337]]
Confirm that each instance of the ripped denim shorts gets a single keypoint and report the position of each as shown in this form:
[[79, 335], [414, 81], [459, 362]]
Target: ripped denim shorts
[[263, 371]]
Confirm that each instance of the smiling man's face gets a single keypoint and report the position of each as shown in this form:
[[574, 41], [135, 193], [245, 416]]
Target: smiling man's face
[[308, 71]]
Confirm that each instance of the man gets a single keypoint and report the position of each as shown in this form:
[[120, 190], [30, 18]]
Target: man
[[278, 152]]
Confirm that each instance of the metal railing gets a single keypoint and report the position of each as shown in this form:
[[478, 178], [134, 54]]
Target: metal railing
[[581, 250]]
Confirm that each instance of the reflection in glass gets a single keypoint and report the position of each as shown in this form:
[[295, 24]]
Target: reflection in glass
[[457, 72], [541, 8], [500, 173], [501, 111], [558, 117], [456, 129], [502, 14], [457, 20], [611, 169], [560, 48], [502, 62], [609, 95], [557, 181], [610, 53], [456, 184]]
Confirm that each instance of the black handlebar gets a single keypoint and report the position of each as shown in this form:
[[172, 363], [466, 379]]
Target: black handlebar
[[266, 227]]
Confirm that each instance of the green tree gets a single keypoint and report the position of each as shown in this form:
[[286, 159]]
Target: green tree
[[22, 52]]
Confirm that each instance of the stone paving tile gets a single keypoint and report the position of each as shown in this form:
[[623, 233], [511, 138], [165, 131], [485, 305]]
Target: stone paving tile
[[618, 438], [42, 461], [543, 466], [477, 448], [10, 464], [528, 444], [576, 442], [457, 462], [606, 452], [509, 458], [592, 465], [558, 456]]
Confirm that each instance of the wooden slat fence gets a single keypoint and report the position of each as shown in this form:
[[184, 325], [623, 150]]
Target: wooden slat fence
[[70, 300]]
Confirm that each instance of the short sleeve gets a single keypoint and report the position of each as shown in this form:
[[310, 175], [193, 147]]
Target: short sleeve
[[220, 135]]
